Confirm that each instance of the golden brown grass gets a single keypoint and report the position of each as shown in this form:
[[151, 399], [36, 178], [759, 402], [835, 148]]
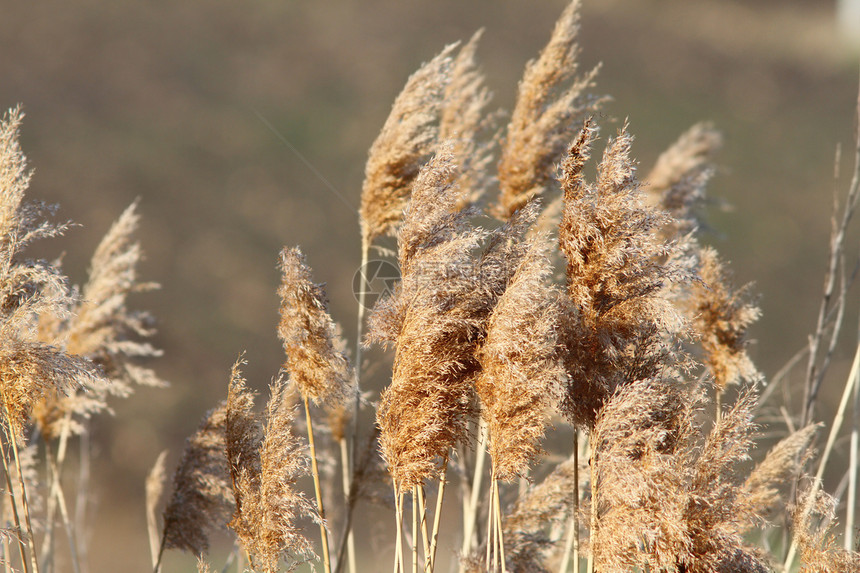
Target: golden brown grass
[[622, 348]]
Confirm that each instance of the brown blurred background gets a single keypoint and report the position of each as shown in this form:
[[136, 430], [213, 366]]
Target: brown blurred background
[[178, 103]]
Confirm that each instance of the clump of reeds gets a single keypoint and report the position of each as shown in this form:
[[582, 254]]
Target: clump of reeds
[[628, 342]]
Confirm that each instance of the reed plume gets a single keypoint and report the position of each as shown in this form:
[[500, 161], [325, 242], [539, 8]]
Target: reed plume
[[99, 325], [265, 465], [202, 500], [520, 373], [316, 360], [619, 324], [529, 528], [813, 534], [426, 409], [464, 120], [544, 118], [30, 369], [761, 492], [665, 499], [677, 181], [722, 314], [407, 140]]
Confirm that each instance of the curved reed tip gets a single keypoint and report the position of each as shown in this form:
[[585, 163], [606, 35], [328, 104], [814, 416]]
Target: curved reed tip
[[407, 139], [678, 180], [544, 117], [316, 360]]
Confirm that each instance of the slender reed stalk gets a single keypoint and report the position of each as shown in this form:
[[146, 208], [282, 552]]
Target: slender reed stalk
[[25, 505], [317, 490], [348, 455], [835, 426], [425, 535], [25, 561], [398, 554], [64, 513], [593, 523], [491, 527], [853, 462], [414, 529], [471, 508], [437, 515], [571, 546], [346, 458], [497, 517]]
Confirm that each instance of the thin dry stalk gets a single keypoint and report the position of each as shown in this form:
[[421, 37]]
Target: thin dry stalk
[[317, 489], [22, 547], [154, 488], [437, 519], [835, 426], [500, 534], [22, 485], [398, 554], [470, 505], [830, 311], [853, 468], [414, 530], [425, 536], [571, 546]]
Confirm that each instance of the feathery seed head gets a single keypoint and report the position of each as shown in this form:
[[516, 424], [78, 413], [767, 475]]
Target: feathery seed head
[[722, 315], [619, 324], [544, 116], [519, 368], [202, 499], [316, 361], [407, 140]]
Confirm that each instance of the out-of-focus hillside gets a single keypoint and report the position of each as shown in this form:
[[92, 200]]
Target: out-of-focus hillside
[[243, 127]]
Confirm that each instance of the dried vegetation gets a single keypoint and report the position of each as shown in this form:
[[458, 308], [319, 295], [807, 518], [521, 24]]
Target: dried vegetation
[[635, 349]]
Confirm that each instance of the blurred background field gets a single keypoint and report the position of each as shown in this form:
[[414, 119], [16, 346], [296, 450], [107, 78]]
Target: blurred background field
[[243, 127]]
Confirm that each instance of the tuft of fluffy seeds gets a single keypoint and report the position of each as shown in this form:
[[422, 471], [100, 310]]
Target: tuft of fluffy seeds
[[407, 139], [265, 463], [544, 117], [520, 373], [201, 500], [316, 361], [620, 324]]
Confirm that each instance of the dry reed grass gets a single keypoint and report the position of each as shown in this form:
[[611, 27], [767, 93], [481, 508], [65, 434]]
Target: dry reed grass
[[630, 347]]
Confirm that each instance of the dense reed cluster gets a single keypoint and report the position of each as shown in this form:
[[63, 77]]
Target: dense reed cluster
[[536, 296]]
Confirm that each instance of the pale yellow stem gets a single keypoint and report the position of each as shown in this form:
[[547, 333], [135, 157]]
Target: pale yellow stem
[[436, 517], [318, 490]]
